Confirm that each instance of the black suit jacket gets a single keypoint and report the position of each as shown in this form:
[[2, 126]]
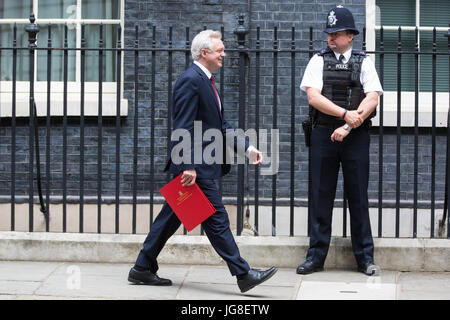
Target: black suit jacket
[[194, 100]]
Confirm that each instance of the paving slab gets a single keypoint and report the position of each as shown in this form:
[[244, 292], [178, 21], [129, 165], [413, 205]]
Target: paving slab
[[211, 291], [348, 285], [426, 286], [106, 281], [216, 274], [26, 270], [349, 275], [23, 280], [329, 290], [216, 283], [18, 287]]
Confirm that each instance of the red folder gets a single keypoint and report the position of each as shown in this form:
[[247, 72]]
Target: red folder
[[189, 203]]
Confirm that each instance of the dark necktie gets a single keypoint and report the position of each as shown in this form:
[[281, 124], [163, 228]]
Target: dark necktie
[[341, 58], [213, 83]]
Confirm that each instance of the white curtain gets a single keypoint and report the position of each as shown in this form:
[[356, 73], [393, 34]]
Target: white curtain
[[57, 67], [10, 9], [57, 9], [101, 9], [109, 57]]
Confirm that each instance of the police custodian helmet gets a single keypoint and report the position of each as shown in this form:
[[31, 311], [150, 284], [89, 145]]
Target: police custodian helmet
[[340, 19]]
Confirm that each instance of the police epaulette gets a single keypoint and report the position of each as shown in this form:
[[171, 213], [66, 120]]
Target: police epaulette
[[328, 50], [324, 51], [358, 52]]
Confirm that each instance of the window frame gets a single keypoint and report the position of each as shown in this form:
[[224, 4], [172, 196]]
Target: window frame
[[408, 97], [109, 89]]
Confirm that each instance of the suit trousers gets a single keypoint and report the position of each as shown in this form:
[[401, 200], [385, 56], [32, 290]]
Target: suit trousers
[[216, 227], [326, 157]]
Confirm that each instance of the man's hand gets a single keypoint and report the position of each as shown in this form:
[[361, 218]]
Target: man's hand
[[254, 155], [188, 177], [339, 134], [354, 118]]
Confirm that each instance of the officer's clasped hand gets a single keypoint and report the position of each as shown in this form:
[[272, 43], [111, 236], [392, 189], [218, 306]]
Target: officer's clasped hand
[[339, 134], [354, 118]]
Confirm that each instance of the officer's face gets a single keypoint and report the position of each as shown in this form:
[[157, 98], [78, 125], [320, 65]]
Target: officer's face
[[340, 41]]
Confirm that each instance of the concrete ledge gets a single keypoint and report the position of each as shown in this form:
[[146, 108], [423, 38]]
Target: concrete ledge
[[402, 254]]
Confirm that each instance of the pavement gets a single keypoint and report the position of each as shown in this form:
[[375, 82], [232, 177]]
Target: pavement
[[34, 280]]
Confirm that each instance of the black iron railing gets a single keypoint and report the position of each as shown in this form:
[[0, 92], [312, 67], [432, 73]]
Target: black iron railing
[[247, 59]]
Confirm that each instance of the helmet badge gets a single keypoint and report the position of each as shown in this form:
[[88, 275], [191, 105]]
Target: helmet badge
[[331, 19]]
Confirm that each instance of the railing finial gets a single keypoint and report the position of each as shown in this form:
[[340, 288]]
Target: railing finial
[[241, 31], [32, 30]]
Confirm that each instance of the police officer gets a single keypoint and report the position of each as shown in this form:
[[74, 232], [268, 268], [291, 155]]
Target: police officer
[[342, 87]]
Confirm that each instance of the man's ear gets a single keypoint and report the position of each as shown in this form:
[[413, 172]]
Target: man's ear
[[352, 35], [203, 52]]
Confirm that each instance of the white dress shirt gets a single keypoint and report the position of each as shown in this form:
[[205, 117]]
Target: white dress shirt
[[209, 75]]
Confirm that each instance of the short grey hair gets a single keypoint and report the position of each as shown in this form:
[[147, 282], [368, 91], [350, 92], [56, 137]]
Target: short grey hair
[[203, 41]]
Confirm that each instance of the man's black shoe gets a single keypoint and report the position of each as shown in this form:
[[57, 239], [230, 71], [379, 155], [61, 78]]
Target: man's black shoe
[[308, 267], [147, 277], [369, 269], [254, 277]]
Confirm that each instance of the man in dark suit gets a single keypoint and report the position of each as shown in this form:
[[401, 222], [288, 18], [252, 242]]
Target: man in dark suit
[[195, 98]]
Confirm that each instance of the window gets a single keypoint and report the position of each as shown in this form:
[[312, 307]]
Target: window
[[58, 13], [408, 14]]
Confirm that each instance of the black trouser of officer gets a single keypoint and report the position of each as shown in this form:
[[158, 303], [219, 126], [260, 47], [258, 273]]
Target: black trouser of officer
[[216, 227], [326, 157]]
